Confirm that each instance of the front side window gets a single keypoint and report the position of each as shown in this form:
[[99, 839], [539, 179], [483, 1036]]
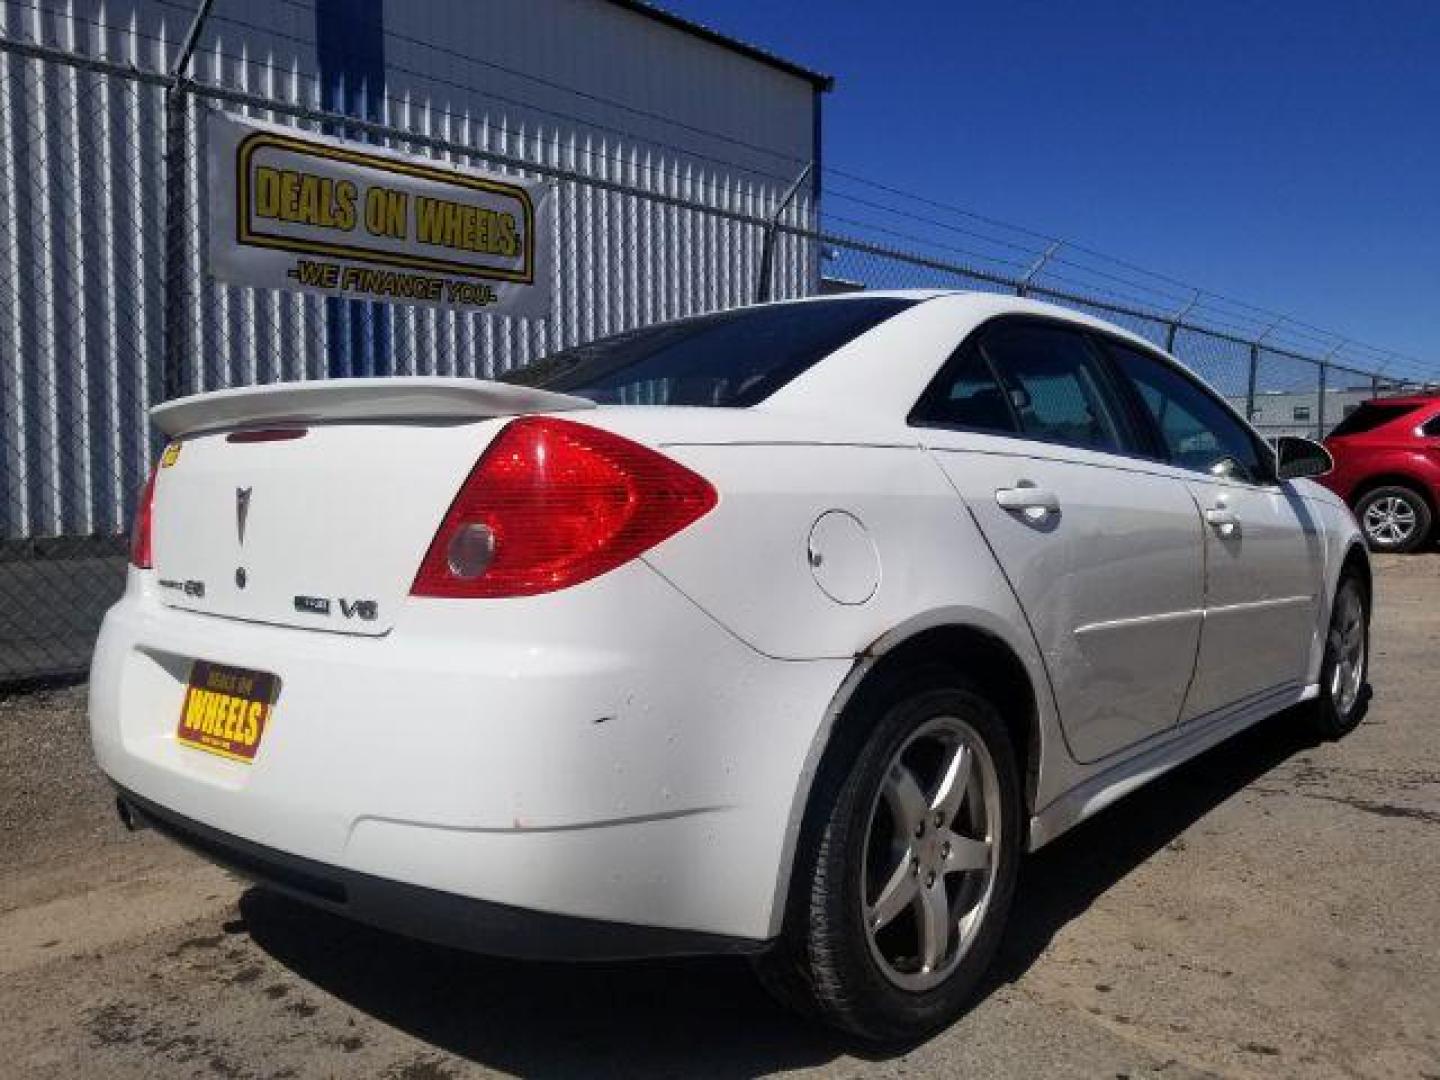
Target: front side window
[[1057, 385], [1431, 427], [1199, 433], [732, 359]]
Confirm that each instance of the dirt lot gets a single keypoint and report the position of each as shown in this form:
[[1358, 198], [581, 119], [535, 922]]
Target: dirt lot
[[1273, 908]]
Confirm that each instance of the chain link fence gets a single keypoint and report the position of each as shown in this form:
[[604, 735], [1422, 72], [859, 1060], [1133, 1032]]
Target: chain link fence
[[1282, 390], [106, 308]]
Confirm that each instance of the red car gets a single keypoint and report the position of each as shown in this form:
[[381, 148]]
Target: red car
[[1387, 467]]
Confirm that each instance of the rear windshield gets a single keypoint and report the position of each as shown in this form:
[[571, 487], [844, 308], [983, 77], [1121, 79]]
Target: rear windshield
[[731, 359], [1370, 415]]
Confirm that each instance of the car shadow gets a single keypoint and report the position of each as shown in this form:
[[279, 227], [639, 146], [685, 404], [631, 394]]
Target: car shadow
[[1063, 879], [711, 1017]]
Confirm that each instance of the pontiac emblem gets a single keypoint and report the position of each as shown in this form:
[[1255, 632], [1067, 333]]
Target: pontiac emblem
[[242, 511]]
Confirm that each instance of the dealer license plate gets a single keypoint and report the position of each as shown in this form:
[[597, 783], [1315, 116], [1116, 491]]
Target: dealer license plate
[[226, 710]]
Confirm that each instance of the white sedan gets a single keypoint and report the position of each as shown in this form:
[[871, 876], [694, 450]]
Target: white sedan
[[782, 631]]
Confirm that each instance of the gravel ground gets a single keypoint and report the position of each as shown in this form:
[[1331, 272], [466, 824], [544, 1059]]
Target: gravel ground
[[1270, 909]]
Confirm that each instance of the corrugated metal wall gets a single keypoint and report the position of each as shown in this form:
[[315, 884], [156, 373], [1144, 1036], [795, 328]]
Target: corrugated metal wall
[[80, 183], [83, 190]]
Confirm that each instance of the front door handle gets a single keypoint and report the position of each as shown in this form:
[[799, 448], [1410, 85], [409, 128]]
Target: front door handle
[[1034, 502], [1222, 519]]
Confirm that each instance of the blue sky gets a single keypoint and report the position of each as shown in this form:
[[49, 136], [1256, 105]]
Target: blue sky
[[1283, 153]]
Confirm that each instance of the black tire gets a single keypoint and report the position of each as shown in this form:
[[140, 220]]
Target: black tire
[[1336, 714], [823, 965], [1384, 532]]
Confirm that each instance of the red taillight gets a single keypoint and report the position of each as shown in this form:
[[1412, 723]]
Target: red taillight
[[552, 503], [140, 528]]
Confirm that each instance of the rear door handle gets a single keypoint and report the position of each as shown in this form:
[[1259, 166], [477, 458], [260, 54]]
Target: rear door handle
[[1222, 519], [1034, 502]]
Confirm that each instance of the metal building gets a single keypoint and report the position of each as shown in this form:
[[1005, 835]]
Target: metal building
[[1298, 412]]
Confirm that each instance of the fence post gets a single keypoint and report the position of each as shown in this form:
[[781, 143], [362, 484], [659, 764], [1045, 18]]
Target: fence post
[[1255, 366], [1175, 322], [767, 245], [1250, 383], [171, 381], [1023, 288], [172, 376], [1324, 367]]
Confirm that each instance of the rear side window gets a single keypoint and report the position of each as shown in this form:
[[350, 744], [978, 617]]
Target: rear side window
[[1431, 427], [1369, 416], [1056, 384], [731, 359], [1199, 433], [965, 395]]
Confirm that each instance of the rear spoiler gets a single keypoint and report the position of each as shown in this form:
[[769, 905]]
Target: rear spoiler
[[401, 398]]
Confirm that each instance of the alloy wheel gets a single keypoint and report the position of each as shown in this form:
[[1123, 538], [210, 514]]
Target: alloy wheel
[[1347, 638], [932, 851], [1390, 520]]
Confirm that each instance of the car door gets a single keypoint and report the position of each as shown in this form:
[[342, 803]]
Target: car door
[[1104, 555], [1264, 555]]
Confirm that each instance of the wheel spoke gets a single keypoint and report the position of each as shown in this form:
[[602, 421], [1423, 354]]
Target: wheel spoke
[[906, 800], [934, 915], [896, 895], [966, 853], [953, 786]]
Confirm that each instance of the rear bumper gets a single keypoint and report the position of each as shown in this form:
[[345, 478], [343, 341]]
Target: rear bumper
[[429, 914], [615, 758]]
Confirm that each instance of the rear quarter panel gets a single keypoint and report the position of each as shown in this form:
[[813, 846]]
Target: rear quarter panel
[[748, 564]]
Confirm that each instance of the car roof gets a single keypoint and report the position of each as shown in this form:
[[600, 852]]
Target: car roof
[[883, 371], [991, 303]]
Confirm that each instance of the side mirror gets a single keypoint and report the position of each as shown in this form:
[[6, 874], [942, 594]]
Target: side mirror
[[1297, 458]]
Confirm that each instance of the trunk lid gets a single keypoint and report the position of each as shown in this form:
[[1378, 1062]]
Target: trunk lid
[[312, 505]]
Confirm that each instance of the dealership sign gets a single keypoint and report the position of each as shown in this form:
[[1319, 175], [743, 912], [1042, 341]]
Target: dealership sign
[[294, 210]]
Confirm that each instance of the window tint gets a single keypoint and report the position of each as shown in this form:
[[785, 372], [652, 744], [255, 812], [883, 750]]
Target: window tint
[[1369, 416], [1056, 385], [731, 359], [965, 395], [1198, 431], [1431, 427]]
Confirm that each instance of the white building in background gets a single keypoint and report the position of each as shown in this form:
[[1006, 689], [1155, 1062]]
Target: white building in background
[[1297, 412], [611, 89]]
